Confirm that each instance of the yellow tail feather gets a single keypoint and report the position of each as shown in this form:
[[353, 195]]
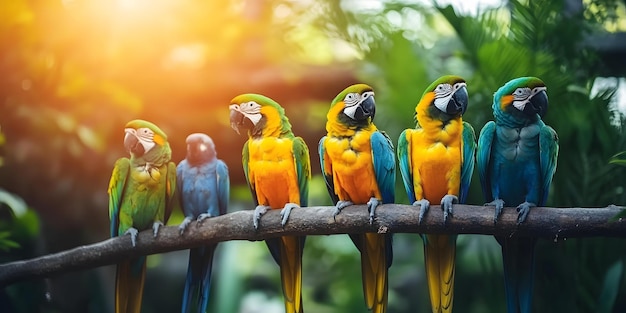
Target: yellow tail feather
[[439, 257], [374, 272], [291, 272], [129, 288]]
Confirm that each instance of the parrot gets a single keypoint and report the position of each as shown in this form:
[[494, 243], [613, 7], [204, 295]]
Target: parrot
[[436, 161], [359, 167], [516, 161], [203, 187], [142, 194], [277, 168]]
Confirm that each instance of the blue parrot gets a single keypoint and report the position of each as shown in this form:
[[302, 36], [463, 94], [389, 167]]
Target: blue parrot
[[204, 187], [516, 161]]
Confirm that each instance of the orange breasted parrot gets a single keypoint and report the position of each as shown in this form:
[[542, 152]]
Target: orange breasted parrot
[[436, 161], [359, 167], [516, 158], [278, 170], [141, 197], [203, 186]]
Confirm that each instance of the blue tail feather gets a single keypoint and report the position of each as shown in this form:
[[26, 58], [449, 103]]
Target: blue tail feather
[[518, 254], [198, 281]]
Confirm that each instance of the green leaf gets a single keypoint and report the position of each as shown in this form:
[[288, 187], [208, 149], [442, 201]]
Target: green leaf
[[619, 159], [7, 244], [610, 287]]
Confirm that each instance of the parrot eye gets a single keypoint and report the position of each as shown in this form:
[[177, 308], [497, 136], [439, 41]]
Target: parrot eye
[[351, 99], [443, 89], [521, 93], [144, 131], [250, 107], [367, 94]]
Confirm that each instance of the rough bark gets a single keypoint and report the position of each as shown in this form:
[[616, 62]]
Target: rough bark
[[548, 223]]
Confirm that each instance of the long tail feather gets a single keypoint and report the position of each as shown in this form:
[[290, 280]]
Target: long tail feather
[[198, 281], [374, 266], [439, 258], [518, 256], [129, 282], [291, 249]]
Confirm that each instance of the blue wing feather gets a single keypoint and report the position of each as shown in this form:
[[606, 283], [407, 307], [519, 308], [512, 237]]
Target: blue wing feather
[[483, 155], [223, 186], [384, 162], [548, 152], [180, 177], [467, 167], [404, 159]]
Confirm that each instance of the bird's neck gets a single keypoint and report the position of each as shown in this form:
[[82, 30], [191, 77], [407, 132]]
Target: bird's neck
[[337, 129]]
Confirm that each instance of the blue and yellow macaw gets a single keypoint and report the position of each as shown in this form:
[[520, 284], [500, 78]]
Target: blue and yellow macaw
[[203, 186], [359, 167], [141, 197], [278, 170], [516, 161], [436, 161]]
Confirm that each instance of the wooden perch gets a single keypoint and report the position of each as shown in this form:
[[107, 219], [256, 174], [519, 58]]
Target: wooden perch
[[549, 223]]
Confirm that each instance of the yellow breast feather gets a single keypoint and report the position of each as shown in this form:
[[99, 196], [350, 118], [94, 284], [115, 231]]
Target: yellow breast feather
[[270, 165]]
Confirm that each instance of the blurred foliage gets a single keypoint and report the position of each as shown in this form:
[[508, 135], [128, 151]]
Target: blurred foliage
[[75, 71], [405, 47]]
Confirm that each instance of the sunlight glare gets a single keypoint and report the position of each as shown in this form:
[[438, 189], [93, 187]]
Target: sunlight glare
[[192, 56]]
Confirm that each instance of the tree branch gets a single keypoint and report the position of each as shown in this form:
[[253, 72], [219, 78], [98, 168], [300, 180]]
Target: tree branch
[[549, 223]]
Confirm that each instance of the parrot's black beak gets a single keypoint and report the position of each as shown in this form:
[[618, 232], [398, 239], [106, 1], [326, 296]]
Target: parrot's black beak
[[538, 104], [132, 144], [366, 109], [458, 102]]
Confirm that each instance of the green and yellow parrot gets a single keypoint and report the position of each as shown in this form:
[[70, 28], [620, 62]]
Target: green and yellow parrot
[[436, 161], [516, 158], [141, 197], [278, 170], [359, 167]]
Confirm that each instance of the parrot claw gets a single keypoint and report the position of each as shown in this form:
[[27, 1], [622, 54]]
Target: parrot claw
[[371, 207], [133, 235], [203, 217], [155, 227], [284, 213], [499, 204], [183, 225], [446, 205], [340, 206], [258, 212], [424, 206], [523, 210]]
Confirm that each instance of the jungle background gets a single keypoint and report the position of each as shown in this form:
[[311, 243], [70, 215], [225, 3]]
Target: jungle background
[[75, 71]]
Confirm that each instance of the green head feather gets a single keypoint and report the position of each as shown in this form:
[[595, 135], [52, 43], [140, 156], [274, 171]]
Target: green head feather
[[509, 87], [145, 124], [447, 79], [356, 88]]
